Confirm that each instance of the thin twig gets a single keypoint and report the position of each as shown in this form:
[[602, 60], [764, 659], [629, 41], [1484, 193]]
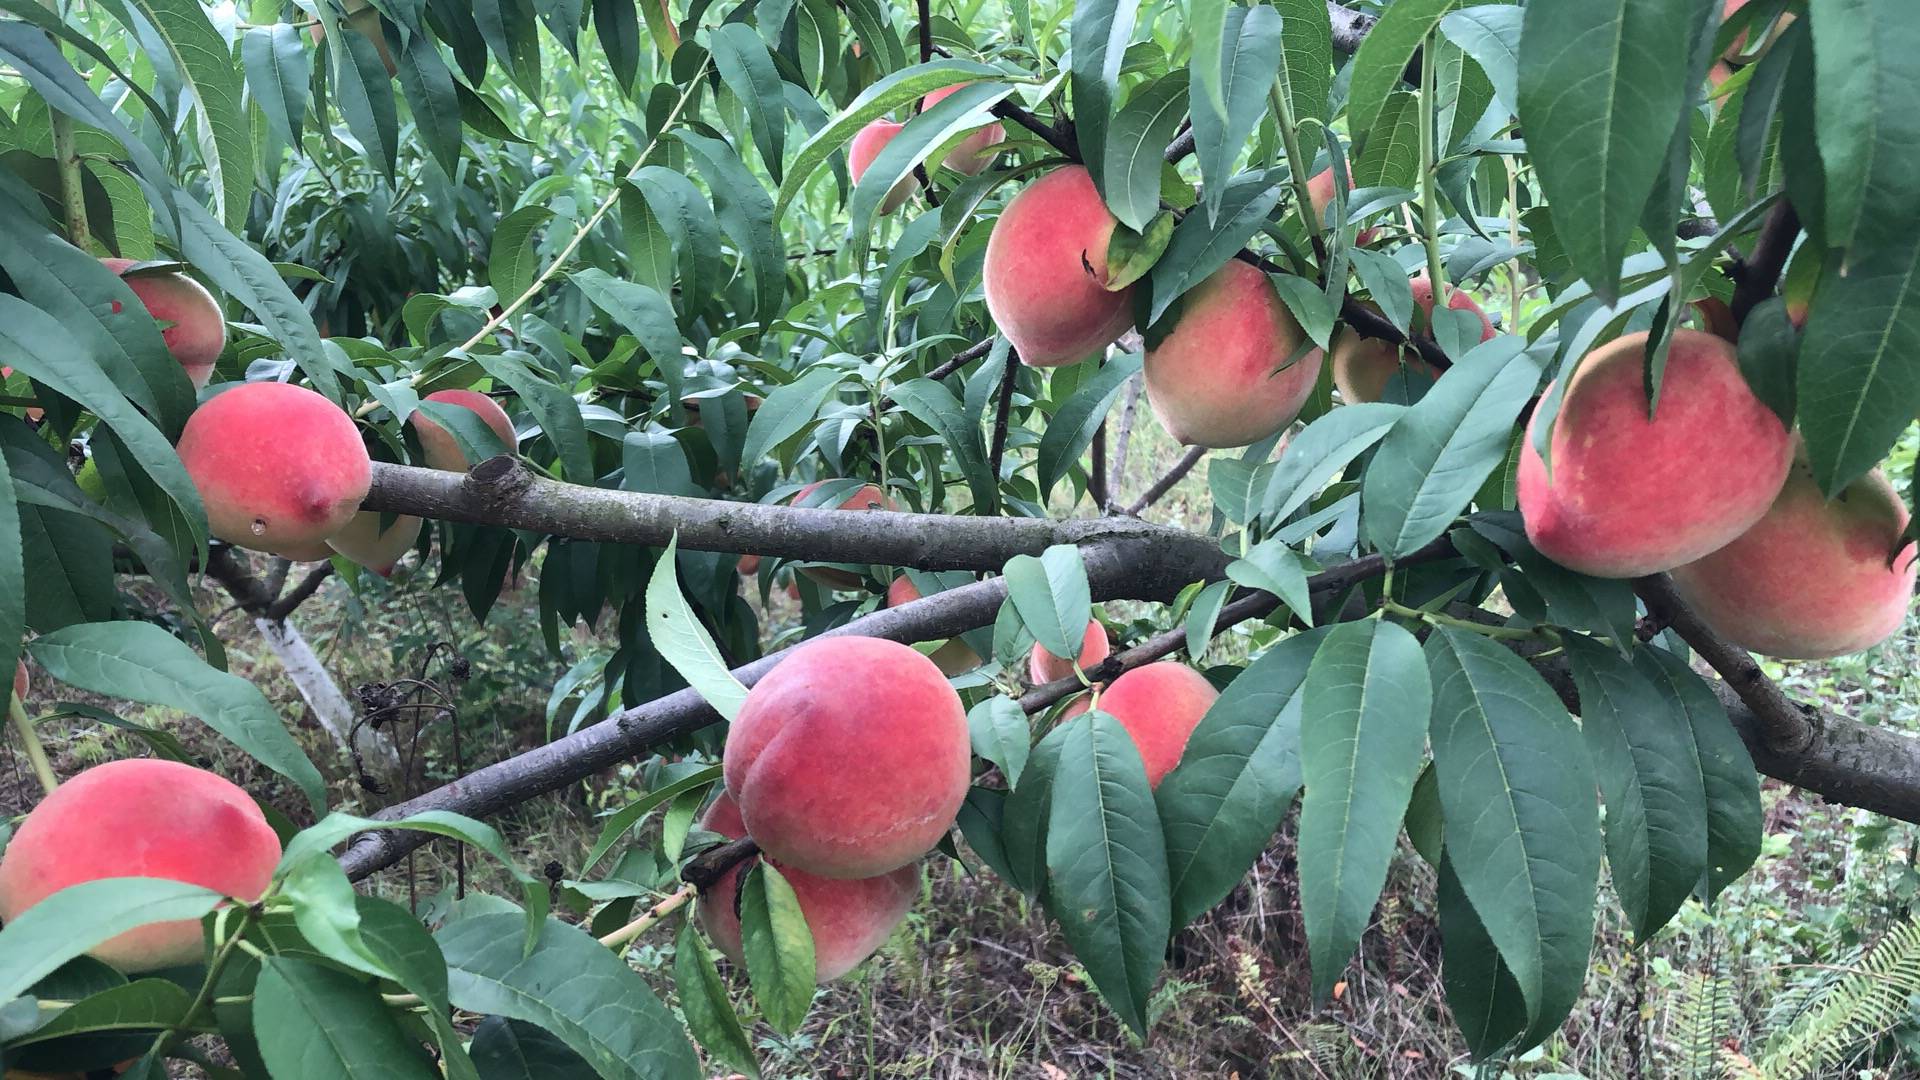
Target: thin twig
[[1123, 442], [1097, 468], [1165, 484], [1002, 413], [300, 593]]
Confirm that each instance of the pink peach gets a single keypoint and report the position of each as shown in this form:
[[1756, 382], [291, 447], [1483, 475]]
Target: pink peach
[[1222, 378], [278, 466], [193, 327], [1159, 705], [867, 144], [441, 449], [954, 657], [975, 152], [1363, 365], [1046, 271], [1043, 667]]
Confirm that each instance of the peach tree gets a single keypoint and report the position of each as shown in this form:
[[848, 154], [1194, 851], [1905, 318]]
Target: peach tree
[[1542, 357]]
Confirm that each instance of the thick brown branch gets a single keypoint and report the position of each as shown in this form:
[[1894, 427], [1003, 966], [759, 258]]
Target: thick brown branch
[[708, 867], [229, 568], [1097, 468], [1760, 273], [1784, 725]]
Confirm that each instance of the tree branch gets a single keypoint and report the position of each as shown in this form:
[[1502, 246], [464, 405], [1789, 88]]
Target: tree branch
[[1165, 484], [300, 593], [1002, 413], [1783, 724], [1097, 468], [1760, 272]]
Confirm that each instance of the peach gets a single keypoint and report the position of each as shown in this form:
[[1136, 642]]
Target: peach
[[1159, 704], [867, 144], [1811, 579], [141, 817], [1320, 191], [1738, 47], [1363, 365], [1630, 495], [362, 17], [1043, 667], [749, 565], [442, 451], [278, 466], [850, 758], [850, 918], [1046, 271], [377, 549], [955, 657], [975, 152], [317, 551], [868, 497], [1221, 378], [192, 325]]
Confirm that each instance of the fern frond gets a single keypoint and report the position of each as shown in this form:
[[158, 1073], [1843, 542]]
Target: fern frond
[[1860, 1007]]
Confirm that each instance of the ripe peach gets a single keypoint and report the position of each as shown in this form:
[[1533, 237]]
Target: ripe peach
[[278, 466], [1812, 578], [1159, 705], [1320, 191], [1046, 270], [850, 758], [749, 565], [442, 451], [1221, 377], [192, 325], [867, 144], [377, 549], [850, 918], [362, 17], [317, 551], [868, 497], [1362, 365], [141, 817], [975, 152], [1043, 667], [1632, 496], [953, 658]]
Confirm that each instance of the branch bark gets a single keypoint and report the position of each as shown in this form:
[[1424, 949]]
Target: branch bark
[[1760, 272]]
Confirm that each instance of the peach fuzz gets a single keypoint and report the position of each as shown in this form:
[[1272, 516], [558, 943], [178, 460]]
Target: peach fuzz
[[1320, 191], [975, 152], [1221, 377], [441, 449], [1043, 667], [955, 657], [1362, 366], [867, 144], [141, 817], [1046, 270], [1813, 578], [850, 758], [867, 497], [1159, 704], [193, 327], [278, 466], [1630, 495], [377, 549], [850, 919]]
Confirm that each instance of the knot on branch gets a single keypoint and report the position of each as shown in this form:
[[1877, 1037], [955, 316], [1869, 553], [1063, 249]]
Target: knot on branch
[[498, 479], [705, 870]]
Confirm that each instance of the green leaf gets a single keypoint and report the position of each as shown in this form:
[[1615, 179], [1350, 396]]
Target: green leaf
[[646, 313], [314, 841], [1368, 695], [514, 260], [684, 643], [1023, 829], [1201, 245], [1441, 450], [366, 97], [142, 1005], [1490, 33], [1100, 33], [68, 923], [1051, 594], [572, 986], [1274, 567], [744, 64], [13, 577], [1522, 826], [1734, 817], [1481, 993], [1649, 771], [204, 61], [1858, 378], [1867, 128], [622, 822], [408, 952], [313, 1020], [1070, 431], [1107, 864], [1322, 449], [1601, 84], [556, 409], [935, 406], [1000, 734], [1306, 58], [1135, 147], [1309, 305], [704, 1002], [746, 213], [276, 66], [506, 1049], [1245, 62], [508, 28], [1383, 57], [1131, 255], [429, 89], [958, 112], [1203, 615], [1208, 25], [1221, 805], [778, 945], [1769, 355], [1391, 155], [617, 25], [142, 662], [789, 409]]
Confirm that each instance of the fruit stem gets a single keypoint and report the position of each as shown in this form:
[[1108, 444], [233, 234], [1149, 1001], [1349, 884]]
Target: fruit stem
[[1429, 205], [679, 899], [36, 754]]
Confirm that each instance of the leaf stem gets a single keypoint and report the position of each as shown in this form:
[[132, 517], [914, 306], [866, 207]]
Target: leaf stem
[[1429, 204], [1297, 165], [223, 951], [619, 939], [36, 754], [72, 196]]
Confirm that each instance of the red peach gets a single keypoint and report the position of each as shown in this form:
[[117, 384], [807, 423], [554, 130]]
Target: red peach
[[141, 818], [952, 658], [1043, 667], [278, 466], [1159, 705], [197, 332], [975, 152], [867, 144], [442, 451], [1362, 365], [850, 918], [868, 497], [1811, 579], [1046, 270], [850, 758], [1221, 378], [1320, 191], [749, 565], [1630, 495], [377, 549]]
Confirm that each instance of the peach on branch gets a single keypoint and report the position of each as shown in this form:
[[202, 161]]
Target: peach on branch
[[867, 497], [975, 152], [850, 758], [1362, 366], [1320, 191], [279, 467], [1046, 271], [1043, 667], [441, 449], [141, 818], [850, 918], [1159, 704], [1630, 495], [867, 144], [377, 549], [952, 658], [1813, 578], [191, 323], [1222, 376]]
